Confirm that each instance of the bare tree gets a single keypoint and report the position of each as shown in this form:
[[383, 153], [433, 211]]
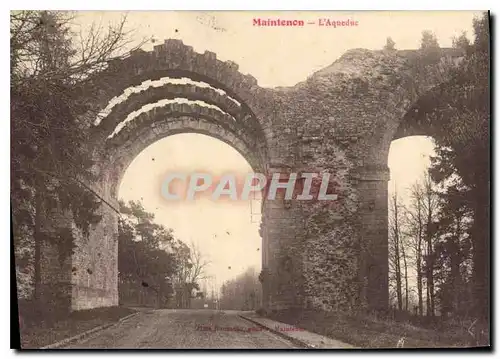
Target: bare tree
[[75, 56], [422, 217], [431, 207], [243, 292], [415, 216], [395, 247], [405, 263], [48, 69], [191, 271]]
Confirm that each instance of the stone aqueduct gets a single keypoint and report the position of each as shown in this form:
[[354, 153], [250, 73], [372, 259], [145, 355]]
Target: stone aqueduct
[[342, 119]]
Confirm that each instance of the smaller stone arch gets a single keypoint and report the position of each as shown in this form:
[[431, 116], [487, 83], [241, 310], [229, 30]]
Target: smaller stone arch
[[115, 156], [176, 60], [166, 89]]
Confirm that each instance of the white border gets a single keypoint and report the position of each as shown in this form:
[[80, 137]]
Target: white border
[[256, 5], [183, 5]]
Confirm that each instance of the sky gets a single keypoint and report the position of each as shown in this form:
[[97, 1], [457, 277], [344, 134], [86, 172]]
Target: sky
[[408, 159], [284, 56], [227, 233]]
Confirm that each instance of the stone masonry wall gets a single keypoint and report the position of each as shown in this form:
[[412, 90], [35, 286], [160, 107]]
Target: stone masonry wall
[[94, 272]]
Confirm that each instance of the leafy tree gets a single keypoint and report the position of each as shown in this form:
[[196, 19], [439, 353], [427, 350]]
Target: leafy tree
[[151, 234], [50, 165], [146, 258], [463, 149], [429, 41], [243, 292], [462, 42], [154, 267], [453, 255], [430, 47], [390, 45], [451, 243]]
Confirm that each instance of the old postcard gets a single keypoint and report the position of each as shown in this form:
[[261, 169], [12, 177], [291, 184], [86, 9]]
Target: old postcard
[[251, 179]]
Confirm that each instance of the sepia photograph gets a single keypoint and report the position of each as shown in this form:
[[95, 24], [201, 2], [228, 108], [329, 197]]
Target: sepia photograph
[[291, 180]]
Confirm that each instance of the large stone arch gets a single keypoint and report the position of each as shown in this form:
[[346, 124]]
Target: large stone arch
[[174, 59]]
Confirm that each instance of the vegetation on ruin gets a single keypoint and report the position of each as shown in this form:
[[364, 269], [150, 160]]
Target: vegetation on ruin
[[50, 168]]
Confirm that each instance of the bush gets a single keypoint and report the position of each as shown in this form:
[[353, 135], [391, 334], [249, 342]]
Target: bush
[[261, 311]]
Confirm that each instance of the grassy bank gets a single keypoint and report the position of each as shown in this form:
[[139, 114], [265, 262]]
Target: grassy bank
[[39, 333], [373, 332]]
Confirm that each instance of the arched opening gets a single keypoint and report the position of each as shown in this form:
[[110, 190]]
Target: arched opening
[[222, 234], [409, 193], [430, 214], [148, 100], [430, 246]]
